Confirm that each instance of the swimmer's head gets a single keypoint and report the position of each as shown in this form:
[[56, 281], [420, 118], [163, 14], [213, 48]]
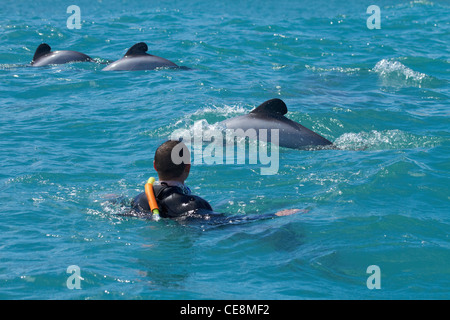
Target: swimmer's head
[[172, 161]]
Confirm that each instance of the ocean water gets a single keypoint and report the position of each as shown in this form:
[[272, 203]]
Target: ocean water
[[73, 137]]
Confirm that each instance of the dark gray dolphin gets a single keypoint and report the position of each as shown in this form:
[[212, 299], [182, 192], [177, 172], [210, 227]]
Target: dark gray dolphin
[[136, 58], [270, 115], [44, 56]]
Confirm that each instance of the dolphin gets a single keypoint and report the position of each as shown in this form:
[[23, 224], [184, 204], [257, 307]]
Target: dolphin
[[44, 56], [136, 58], [270, 115]]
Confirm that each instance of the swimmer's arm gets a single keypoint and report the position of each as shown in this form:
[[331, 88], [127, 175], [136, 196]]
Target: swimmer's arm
[[288, 212], [254, 217]]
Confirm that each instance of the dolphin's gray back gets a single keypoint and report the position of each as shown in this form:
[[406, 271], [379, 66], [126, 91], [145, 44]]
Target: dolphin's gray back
[[58, 57], [140, 62], [290, 134], [270, 115], [137, 58]]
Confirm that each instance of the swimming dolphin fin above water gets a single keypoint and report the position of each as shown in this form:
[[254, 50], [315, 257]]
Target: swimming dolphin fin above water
[[137, 58], [44, 56], [270, 115]]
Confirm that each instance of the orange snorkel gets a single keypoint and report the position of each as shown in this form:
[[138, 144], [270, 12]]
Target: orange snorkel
[[151, 198]]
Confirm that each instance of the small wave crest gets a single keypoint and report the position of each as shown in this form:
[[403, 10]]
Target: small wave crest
[[345, 70], [382, 140], [395, 73], [224, 111]]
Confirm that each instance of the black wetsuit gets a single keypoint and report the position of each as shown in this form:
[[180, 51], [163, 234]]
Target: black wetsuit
[[173, 202]]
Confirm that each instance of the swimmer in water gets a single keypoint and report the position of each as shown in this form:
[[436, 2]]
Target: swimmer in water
[[173, 196]]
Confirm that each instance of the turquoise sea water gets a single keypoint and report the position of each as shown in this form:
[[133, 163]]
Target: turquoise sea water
[[73, 137]]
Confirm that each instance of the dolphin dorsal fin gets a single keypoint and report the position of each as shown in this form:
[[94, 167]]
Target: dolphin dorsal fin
[[43, 49], [137, 49], [273, 106]]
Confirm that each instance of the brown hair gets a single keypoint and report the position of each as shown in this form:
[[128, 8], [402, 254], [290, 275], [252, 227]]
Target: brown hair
[[167, 161]]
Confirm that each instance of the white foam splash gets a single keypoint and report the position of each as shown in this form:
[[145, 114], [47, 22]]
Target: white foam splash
[[225, 110], [395, 73], [333, 69], [382, 140], [207, 117]]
